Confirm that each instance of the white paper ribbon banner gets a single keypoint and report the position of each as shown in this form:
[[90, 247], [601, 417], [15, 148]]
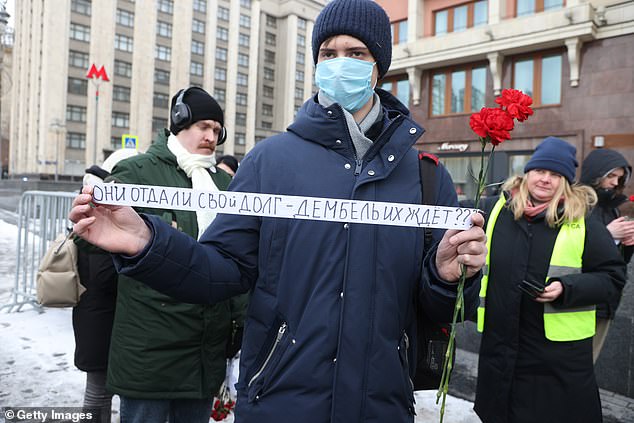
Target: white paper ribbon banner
[[284, 206]]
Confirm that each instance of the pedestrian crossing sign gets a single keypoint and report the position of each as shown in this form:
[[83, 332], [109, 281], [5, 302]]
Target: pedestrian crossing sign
[[129, 141]]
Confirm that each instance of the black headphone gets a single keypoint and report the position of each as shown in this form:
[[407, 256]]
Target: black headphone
[[181, 115]]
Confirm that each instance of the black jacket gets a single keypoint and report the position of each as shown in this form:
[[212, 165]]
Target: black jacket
[[596, 165], [522, 376], [94, 314]]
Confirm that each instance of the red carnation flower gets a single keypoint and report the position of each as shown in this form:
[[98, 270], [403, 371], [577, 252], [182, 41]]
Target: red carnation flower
[[631, 197], [516, 103], [495, 124]]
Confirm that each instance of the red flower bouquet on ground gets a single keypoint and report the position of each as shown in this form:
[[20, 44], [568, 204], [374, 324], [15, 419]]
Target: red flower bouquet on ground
[[493, 126], [222, 409]]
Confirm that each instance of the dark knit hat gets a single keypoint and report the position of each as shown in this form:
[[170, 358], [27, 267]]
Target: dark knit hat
[[202, 106], [362, 19], [230, 161], [556, 155]]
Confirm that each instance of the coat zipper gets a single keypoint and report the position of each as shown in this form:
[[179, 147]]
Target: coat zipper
[[278, 338]]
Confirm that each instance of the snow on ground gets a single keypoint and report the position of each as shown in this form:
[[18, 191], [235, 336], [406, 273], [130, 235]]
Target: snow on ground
[[36, 355]]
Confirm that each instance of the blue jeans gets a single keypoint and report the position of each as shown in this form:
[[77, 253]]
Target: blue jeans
[[161, 411]]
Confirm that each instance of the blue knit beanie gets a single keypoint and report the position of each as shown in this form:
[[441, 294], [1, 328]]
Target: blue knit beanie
[[556, 155], [362, 19]]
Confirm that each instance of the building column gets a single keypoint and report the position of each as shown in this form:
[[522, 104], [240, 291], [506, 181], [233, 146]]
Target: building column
[[495, 66], [415, 20], [414, 75], [574, 52]]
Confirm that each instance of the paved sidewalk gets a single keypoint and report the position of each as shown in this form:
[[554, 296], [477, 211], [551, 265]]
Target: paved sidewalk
[[616, 408]]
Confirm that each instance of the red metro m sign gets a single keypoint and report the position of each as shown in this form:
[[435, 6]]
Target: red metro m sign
[[94, 73]]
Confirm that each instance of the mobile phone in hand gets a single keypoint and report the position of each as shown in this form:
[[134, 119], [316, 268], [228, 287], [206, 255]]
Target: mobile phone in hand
[[532, 288]]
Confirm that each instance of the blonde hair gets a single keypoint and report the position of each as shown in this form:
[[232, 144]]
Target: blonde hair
[[577, 200]]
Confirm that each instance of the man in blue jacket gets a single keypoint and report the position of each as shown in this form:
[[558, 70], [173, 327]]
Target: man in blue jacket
[[326, 336]]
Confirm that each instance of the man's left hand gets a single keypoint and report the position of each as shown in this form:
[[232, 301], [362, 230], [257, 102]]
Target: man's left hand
[[462, 247]]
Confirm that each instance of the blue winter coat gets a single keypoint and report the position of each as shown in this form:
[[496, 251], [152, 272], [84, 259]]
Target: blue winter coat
[[325, 337]]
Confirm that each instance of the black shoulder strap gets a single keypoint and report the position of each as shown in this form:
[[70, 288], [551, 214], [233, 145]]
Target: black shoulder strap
[[428, 165]]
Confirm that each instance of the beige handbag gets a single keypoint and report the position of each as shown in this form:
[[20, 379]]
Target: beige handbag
[[58, 283]]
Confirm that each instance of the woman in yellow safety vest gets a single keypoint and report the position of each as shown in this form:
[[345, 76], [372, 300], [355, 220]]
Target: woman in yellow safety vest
[[542, 278]]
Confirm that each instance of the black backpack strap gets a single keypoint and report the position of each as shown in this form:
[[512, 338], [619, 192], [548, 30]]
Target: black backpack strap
[[428, 165], [431, 338]]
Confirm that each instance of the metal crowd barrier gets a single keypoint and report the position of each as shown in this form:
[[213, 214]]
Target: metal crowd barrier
[[41, 216]]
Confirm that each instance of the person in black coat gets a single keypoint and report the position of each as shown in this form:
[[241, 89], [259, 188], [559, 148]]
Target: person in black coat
[[537, 297], [608, 172], [94, 314]]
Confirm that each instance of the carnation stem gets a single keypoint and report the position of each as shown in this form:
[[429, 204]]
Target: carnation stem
[[459, 305]]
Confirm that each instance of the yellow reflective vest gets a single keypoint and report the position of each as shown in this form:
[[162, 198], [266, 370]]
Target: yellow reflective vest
[[560, 324]]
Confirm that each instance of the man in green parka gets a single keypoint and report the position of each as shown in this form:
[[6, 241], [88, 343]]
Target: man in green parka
[[167, 358]]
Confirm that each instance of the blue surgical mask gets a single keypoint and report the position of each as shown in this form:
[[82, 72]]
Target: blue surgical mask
[[347, 81]]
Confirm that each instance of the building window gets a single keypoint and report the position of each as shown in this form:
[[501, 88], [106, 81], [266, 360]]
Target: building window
[[267, 91], [221, 54], [80, 6], [125, 18], [399, 88], [77, 86], [299, 93], [269, 38], [77, 59], [243, 59], [269, 56], [267, 110], [76, 113], [528, 7], [269, 74], [120, 93], [161, 77], [76, 140], [223, 14], [461, 17], [198, 26], [115, 143], [79, 32], [200, 6], [122, 68], [220, 94], [120, 120], [220, 74], [540, 77], [245, 3], [222, 33], [301, 40], [301, 58], [243, 40], [158, 123], [243, 79], [164, 29], [198, 47], [462, 170], [241, 119], [399, 32], [123, 43], [196, 69], [163, 53], [160, 100], [301, 23], [240, 138], [299, 76], [271, 21], [460, 90], [267, 125], [241, 99], [165, 6], [245, 21]]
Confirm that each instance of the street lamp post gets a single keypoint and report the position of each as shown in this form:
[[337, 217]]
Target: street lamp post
[[57, 126], [4, 19], [96, 75]]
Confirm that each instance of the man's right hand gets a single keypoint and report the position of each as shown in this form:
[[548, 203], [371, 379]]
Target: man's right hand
[[118, 229]]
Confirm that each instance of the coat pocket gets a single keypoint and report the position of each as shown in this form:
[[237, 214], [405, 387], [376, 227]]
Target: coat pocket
[[264, 370], [408, 385]]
